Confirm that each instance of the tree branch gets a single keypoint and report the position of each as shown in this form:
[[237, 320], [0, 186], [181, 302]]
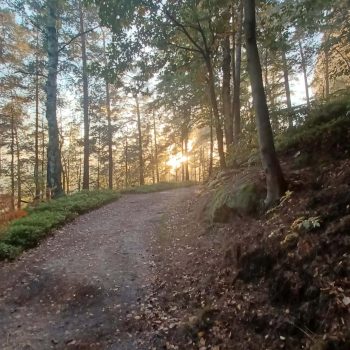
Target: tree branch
[[184, 47], [204, 39], [184, 30], [30, 73], [76, 36]]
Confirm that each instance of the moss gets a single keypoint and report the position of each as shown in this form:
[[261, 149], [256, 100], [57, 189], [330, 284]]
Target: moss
[[228, 199]]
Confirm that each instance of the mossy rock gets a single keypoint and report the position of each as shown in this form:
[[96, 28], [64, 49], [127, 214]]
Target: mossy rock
[[227, 200]]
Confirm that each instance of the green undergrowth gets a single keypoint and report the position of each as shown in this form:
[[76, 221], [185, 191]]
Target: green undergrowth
[[327, 126], [27, 231], [158, 187]]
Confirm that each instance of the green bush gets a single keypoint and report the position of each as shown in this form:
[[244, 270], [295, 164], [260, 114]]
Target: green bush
[[324, 133], [8, 251], [45, 220], [26, 236], [27, 231]]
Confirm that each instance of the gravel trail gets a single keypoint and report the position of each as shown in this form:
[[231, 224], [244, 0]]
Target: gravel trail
[[77, 289]]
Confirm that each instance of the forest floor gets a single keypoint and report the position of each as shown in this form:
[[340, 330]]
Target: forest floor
[[79, 288]]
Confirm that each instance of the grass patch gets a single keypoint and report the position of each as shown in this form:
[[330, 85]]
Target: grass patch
[[158, 187], [27, 231]]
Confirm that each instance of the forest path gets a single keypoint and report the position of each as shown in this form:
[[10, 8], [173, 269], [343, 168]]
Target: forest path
[[77, 290]]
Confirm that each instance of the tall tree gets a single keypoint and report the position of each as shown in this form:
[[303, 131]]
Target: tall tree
[[86, 165], [140, 149], [275, 182], [236, 101], [54, 165]]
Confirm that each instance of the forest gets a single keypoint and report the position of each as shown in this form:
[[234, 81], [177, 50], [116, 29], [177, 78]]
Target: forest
[[111, 94], [241, 107]]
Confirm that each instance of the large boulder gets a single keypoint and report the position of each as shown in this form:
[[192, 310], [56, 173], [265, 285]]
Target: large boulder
[[240, 195]]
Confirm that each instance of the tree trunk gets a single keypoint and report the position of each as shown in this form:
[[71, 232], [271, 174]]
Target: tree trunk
[[187, 174], [326, 70], [110, 138], [98, 160], [287, 89], [12, 166], [155, 147], [109, 123], [226, 93], [236, 103], [68, 176], [19, 179], [141, 164], [152, 162], [182, 156], [36, 134], [126, 163], [86, 167], [303, 67], [43, 149], [79, 175], [233, 39], [214, 105], [275, 182], [54, 166], [211, 145]]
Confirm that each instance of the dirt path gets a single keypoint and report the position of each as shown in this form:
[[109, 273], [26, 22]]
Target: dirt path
[[77, 290]]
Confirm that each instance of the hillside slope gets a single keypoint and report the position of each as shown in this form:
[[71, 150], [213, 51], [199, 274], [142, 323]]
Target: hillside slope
[[262, 280]]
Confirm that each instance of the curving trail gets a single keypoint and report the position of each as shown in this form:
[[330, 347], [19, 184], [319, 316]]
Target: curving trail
[[77, 290]]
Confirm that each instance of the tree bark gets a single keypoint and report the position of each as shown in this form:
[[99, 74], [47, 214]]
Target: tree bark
[[19, 179], [275, 182], [141, 163], [211, 152], [287, 88], [155, 148], [86, 166], [110, 138], [236, 103], [12, 166], [226, 93], [109, 123], [303, 67], [187, 174], [214, 105], [43, 150], [182, 155], [54, 165], [126, 163], [326, 70], [36, 136]]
